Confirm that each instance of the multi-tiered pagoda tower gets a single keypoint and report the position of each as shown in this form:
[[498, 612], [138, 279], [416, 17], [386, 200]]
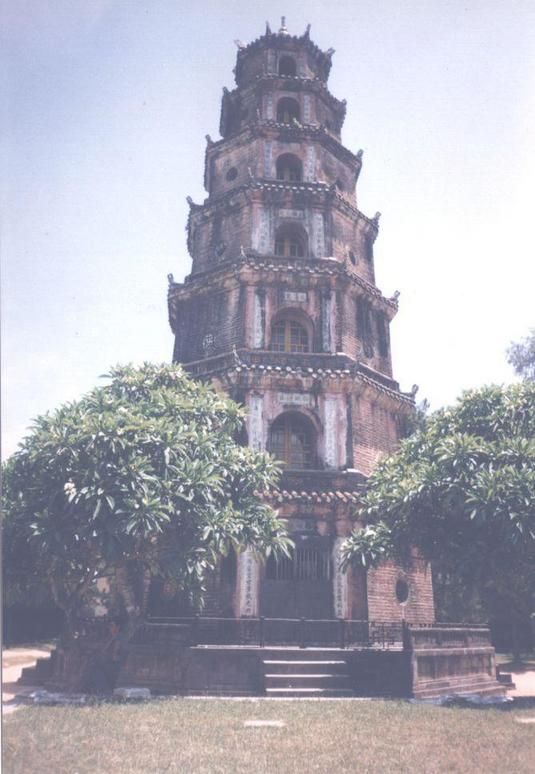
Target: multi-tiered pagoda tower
[[282, 312]]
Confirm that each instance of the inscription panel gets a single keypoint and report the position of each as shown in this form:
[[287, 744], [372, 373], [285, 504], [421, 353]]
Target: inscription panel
[[326, 323], [319, 235], [306, 108], [291, 213], [295, 295], [259, 320], [268, 105], [340, 582], [295, 398], [268, 155], [330, 432], [264, 231], [310, 165], [248, 584], [256, 436]]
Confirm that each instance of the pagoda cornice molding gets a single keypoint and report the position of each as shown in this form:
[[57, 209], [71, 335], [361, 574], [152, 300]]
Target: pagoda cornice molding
[[322, 486], [318, 193], [238, 369], [269, 127], [289, 83], [301, 83], [273, 267]]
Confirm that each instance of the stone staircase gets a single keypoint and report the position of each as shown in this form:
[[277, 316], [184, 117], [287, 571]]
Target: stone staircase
[[302, 674], [39, 673]]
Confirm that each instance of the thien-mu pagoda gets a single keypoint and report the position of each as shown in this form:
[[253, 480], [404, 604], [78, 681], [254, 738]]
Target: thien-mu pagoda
[[282, 312]]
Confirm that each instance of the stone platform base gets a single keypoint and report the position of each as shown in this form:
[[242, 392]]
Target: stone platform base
[[253, 671], [433, 661], [452, 661]]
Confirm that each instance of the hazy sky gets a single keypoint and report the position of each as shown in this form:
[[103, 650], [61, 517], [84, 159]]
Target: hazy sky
[[106, 105]]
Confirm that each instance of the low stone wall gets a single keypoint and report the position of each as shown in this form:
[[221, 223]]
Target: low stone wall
[[70, 666], [239, 671], [435, 660], [195, 670], [451, 660], [379, 673]]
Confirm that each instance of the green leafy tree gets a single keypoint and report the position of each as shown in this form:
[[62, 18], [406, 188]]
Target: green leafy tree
[[521, 355], [141, 477], [461, 493]]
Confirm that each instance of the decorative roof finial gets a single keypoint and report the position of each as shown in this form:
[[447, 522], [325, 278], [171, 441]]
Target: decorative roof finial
[[268, 29], [307, 32], [283, 30]]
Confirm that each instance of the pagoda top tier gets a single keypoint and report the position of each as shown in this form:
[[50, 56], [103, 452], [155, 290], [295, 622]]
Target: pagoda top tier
[[279, 53]]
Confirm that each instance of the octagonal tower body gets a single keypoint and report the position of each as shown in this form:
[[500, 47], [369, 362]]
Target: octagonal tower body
[[281, 311]]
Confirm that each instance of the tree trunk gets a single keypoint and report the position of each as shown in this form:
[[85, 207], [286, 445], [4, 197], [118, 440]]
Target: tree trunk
[[127, 594], [515, 641], [146, 581]]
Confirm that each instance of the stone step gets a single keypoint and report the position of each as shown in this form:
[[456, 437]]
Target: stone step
[[307, 681], [300, 666], [302, 654], [37, 674], [484, 688], [308, 693], [505, 678]]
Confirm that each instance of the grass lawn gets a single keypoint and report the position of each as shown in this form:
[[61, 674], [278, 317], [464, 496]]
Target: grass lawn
[[199, 735]]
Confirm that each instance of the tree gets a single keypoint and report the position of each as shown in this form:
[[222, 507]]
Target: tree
[[140, 477], [521, 355], [461, 494]]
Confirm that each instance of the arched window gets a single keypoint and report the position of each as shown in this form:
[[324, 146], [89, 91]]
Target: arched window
[[287, 66], [290, 242], [292, 441], [289, 168], [289, 336], [287, 109]]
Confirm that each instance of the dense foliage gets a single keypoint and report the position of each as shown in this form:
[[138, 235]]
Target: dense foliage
[[143, 472], [461, 492]]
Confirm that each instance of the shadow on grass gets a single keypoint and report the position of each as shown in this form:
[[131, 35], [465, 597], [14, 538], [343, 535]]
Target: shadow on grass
[[460, 702]]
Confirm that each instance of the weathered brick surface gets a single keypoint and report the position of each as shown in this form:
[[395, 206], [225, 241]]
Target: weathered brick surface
[[209, 323], [382, 602], [374, 432], [223, 314]]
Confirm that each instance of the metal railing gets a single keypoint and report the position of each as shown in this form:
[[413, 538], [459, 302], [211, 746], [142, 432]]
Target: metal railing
[[265, 632]]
